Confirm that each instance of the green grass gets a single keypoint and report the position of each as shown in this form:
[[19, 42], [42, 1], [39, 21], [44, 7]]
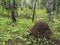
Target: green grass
[[21, 28], [9, 30]]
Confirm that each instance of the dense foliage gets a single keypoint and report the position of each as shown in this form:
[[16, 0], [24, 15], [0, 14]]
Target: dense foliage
[[15, 33]]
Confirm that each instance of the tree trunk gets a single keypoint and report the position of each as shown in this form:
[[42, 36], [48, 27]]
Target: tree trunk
[[34, 11], [13, 11], [13, 16], [50, 9], [51, 16]]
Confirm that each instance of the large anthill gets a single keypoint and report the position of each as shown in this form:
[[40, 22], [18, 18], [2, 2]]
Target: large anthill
[[41, 30]]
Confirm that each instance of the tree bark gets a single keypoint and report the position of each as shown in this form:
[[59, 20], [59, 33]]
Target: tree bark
[[34, 11], [13, 11]]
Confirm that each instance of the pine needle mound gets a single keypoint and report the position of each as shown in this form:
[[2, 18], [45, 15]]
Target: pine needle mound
[[41, 30]]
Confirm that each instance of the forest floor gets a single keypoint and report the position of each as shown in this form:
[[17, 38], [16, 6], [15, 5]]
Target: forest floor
[[17, 32]]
